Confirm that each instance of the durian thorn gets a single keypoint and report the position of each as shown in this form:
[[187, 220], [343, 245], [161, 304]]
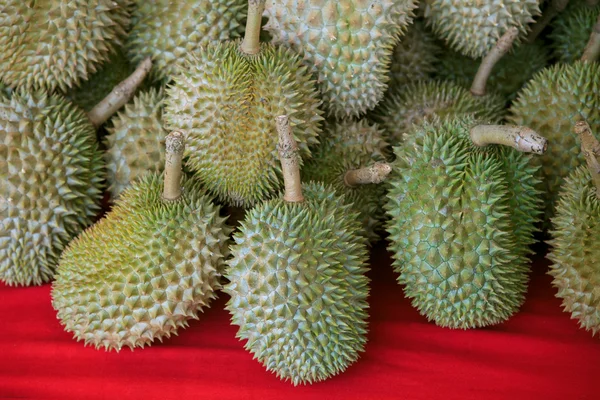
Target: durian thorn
[[520, 138], [592, 49], [489, 61], [175, 145], [251, 43], [590, 147], [288, 155], [554, 8], [120, 95], [376, 173]]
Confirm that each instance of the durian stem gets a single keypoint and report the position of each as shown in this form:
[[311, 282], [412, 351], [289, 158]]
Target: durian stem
[[376, 173], [175, 145], [518, 137], [120, 95], [592, 49], [590, 147], [591, 3], [489, 61], [554, 8], [251, 43], [288, 155]]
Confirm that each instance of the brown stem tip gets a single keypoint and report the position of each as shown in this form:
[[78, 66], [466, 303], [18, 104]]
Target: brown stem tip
[[288, 155], [175, 146], [590, 147], [376, 173], [520, 138]]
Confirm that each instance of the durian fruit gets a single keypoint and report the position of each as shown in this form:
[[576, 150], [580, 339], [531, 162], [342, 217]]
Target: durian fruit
[[347, 44], [351, 158], [297, 278], [575, 251], [147, 268], [167, 30], [473, 28], [223, 100], [135, 143], [57, 44], [571, 31], [462, 213]]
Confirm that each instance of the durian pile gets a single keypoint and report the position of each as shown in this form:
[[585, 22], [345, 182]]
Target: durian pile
[[154, 155]]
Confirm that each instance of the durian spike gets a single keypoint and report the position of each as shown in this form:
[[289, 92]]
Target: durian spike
[[590, 147], [376, 173], [554, 8], [520, 138], [120, 95], [288, 155], [592, 49], [175, 145], [489, 61], [251, 43]]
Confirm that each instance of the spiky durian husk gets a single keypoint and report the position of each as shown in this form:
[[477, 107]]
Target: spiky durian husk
[[144, 270], [571, 31], [55, 44], [135, 143], [298, 286], [508, 76], [51, 174], [351, 145], [347, 44], [550, 104], [168, 30], [575, 252], [225, 103], [415, 57], [420, 101], [461, 220], [473, 28]]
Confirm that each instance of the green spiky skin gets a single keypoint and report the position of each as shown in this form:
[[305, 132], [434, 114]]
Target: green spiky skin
[[508, 76], [168, 30], [575, 252], [347, 44], [421, 101], [298, 286], [135, 143], [571, 31], [51, 44], [461, 220], [142, 272], [415, 57], [351, 145], [550, 104], [473, 28], [225, 103], [51, 174]]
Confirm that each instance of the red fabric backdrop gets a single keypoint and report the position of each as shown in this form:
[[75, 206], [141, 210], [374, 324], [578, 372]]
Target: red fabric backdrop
[[538, 354]]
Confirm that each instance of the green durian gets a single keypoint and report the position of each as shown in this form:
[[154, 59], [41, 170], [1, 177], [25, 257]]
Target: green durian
[[57, 44], [347, 44], [575, 250], [462, 215], [472, 28], [297, 278], [168, 30], [571, 31], [135, 141], [51, 180], [346, 148], [147, 268], [223, 100]]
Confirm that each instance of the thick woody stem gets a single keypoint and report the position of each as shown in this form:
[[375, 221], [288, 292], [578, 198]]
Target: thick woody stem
[[489, 61], [590, 147], [518, 137], [288, 155], [591, 3], [592, 49], [120, 95], [251, 43], [175, 145], [554, 8], [376, 173]]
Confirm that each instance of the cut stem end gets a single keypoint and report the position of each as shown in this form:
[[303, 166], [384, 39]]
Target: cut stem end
[[521, 138], [175, 146], [376, 173], [288, 155]]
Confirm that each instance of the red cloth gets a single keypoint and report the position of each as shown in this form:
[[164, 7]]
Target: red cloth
[[538, 354]]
